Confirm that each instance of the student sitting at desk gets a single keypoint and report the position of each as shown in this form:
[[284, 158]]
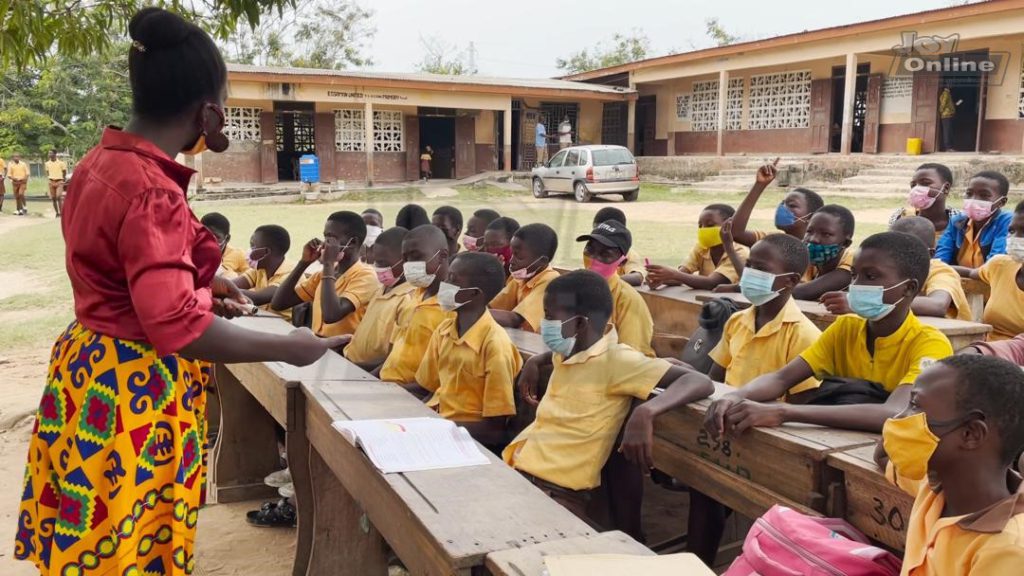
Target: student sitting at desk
[[449, 220], [267, 267], [374, 221], [521, 303], [632, 270], [882, 342], [977, 235], [953, 448], [339, 292], [473, 239], [929, 196], [498, 240], [390, 309], [232, 260], [707, 266], [791, 215], [470, 364], [606, 248], [1004, 275], [828, 240], [593, 383]]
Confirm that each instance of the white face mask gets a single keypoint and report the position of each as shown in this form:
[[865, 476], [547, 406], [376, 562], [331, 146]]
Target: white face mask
[[1015, 248], [446, 294], [416, 272], [372, 232]]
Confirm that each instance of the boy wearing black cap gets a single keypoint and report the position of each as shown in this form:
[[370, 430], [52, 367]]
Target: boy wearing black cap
[[606, 249]]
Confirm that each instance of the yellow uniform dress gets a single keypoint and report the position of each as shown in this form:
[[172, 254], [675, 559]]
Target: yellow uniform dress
[[699, 262], [409, 343], [388, 312], [631, 317], [1005, 308], [526, 298], [358, 285], [258, 280]]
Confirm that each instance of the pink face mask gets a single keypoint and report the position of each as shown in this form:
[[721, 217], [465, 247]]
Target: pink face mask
[[471, 243], [524, 272], [977, 210], [921, 198], [386, 276], [605, 270]]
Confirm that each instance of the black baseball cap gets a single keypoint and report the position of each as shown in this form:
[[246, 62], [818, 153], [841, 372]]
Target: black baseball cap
[[610, 233]]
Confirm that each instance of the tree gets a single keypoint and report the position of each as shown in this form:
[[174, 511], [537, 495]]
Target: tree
[[623, 50], [718, 34], [31, 31], [310, 34], [441, 57]]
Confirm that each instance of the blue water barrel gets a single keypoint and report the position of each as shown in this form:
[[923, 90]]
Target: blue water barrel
[[309, 168]]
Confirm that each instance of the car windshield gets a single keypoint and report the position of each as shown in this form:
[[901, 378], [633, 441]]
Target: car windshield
[[612, 157]]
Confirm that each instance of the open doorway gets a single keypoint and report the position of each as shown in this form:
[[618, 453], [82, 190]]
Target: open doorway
[[294, 137], [518, 145], [967, 92], [437, 130], [860, 101], [645, 122]]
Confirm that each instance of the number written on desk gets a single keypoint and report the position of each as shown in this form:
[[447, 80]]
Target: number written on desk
[[889, 516], [704, 440]]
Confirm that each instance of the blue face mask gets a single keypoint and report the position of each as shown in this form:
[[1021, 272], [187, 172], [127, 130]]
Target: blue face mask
[[784, 217], [868, 301], [757, 286], [822, 253], [551, 333]]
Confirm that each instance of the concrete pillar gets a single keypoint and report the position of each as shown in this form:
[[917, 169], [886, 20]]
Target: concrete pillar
[[368, 125], [723, 103], [631, 126], [507, 137], [849, 94]]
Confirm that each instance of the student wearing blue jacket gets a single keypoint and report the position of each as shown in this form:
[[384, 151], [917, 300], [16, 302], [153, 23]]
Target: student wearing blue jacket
[[978, 233]]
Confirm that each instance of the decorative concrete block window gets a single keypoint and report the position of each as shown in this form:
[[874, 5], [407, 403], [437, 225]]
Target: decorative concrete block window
[[349, 131], [388, 131], [734, 105], [242, 124], [704, 113], [1020, 100], [780, 100]]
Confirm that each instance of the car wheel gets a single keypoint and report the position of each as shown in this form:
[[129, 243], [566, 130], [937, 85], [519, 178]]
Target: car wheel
[[581, 193], [538, 189], [631, 196]]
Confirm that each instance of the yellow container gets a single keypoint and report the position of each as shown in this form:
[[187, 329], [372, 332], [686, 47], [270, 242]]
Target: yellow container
[[914, 146]]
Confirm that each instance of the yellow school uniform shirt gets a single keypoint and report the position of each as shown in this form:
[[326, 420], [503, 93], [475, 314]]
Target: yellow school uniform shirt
[[3, 166], [845, 263], [526, 298], [587, 400], [747, 353], [842, 351], [259, 280], [55, 169], [17, 171], [472, 376], [970, 254], [386, 313], [989, 541], [234, 260], [699, 262], [409, 343], [358, 285], [942, 276], [631, 317], [632, 264], [1005, 307]]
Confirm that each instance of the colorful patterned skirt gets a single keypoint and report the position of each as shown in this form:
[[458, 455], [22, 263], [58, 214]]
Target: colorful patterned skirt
[[116, 464]]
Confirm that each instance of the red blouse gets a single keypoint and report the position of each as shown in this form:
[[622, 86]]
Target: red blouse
[[139, 261]]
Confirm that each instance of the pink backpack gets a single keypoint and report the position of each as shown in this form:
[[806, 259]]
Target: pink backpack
[[785, 542]]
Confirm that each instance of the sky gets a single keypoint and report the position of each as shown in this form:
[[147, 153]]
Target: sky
[[522, 38]]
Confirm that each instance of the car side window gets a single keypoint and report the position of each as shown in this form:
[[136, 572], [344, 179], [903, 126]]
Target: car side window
[[573, 158], [583, 158], [558, 159]]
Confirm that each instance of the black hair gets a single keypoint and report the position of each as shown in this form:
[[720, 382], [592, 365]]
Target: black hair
[[411, 216], [792, 251], [846, 220], [1004, 184], [217, 221], [541, 239], [506, 225], [941, 169], [277, 238], [487, 215], [996, 388], [908, 253], [917, 226], [582, 293], [610, 213], [452, 213], [1020, 208], [724, 210], [430, 234], [485, 272], [392, 238], [353, 224], [373, 211], [813, 199], [172, 64]]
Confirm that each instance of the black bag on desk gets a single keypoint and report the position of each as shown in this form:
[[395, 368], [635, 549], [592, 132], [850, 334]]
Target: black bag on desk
[[302, 315], [713, 316], [842, 392]]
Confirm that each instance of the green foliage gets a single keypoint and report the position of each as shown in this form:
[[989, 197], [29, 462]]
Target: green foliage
[[623, 50], [718, 34], [441, 57]]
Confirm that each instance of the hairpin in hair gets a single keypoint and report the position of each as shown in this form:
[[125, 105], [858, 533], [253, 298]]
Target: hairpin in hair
[[138, 46]]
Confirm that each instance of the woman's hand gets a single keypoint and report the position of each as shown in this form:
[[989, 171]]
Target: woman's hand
[[304, 347], [228, 300]]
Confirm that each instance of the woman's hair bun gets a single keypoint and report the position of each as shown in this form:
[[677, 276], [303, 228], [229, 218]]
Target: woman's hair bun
[[156, 29]]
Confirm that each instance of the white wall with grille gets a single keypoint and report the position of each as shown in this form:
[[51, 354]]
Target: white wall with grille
[[781, 100], [242, 124], [388, 131], [349, 131], [704, 108]]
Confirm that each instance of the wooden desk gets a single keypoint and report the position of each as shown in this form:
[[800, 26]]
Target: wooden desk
[[977, 293], [529, 343], [876, 506], [675, 310], [529, 560], [752, 472]]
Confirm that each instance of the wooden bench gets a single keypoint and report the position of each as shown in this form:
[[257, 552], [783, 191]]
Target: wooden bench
[[760, 468], [675, 310], [977, 293], [866, 499], [529, 560]]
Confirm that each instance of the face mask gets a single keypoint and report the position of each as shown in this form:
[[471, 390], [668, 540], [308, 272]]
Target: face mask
[[253, 260], [471, 243], [822, 253], [551, 333], [372, 232], [446, 294], [606, 271], [709, 237], [784, 217], [1015, 248], [910, 443], [921, 197], [523, 274], [868, 301], [503, 254], [977, 210], [756, 286], [386, 276], [416, 272]]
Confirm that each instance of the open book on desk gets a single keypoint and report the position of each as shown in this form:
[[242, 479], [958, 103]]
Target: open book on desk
[[411, 444]]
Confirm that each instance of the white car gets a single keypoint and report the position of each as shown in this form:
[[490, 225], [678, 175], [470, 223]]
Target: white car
[[586, 171]]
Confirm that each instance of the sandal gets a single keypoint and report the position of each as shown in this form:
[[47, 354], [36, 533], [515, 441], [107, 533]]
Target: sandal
[[280, 514]]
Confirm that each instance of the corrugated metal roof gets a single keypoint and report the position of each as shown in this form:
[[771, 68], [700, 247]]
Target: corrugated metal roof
[[467, 80]]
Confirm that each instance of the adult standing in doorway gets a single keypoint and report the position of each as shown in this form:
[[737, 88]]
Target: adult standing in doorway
[[17, 171], [541, 141], [565, 133], [56, 173], [116, 460], [947, 113]]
